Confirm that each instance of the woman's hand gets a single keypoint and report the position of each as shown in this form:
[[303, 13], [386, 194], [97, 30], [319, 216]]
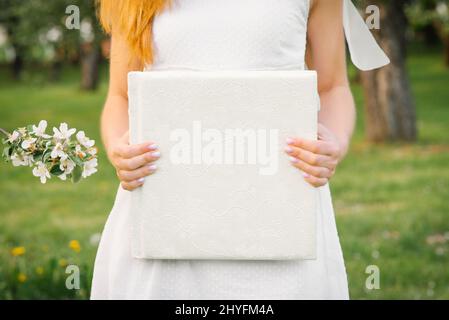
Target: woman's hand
[[316, 159], [133, 162]]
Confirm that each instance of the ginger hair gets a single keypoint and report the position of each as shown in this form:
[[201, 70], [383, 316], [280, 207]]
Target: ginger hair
[[132, 20]]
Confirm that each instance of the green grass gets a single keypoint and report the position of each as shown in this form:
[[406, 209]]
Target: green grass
[[389, 199]]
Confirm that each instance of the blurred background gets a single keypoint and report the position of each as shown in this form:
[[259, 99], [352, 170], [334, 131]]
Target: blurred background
[[391, 195]]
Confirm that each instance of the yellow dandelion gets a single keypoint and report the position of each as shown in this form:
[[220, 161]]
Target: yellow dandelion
[[75, 245], [39, 271], [21, 277], [63, 262], [18, 251]]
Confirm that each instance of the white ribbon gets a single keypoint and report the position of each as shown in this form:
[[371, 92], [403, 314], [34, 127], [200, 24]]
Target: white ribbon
[[366, 54]]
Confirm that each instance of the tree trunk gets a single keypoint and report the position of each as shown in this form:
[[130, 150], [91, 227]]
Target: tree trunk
[[19, 49], [17, 65], [57, 65], [446, 51], [19, 53], [444, 35], [389, 106], [90, 59], [55, 71], [431, 37]]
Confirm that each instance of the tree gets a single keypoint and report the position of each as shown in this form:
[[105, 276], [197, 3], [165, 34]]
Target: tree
[[10, 16], [38, 31], [389, 106], [88, 40], [432, 14]]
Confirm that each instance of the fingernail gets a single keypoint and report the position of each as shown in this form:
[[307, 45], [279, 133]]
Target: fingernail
[[288, 150], [155, 154], [141, 180], [290, 140], [305, 175], [152, 147], [294, 160], [152, 167]]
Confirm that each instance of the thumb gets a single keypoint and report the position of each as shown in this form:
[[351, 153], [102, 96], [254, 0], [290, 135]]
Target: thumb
[[321, 131], [125, 138]]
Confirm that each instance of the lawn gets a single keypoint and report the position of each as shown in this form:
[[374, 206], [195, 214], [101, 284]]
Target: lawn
[[391, 200]]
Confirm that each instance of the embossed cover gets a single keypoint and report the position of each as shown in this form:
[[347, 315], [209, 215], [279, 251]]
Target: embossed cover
[[238, 203]]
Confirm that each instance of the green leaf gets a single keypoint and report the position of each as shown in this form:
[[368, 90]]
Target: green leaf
[[56, 170], [37, 153], [77, 160], [46, 156], [77, 174], [7, 152]]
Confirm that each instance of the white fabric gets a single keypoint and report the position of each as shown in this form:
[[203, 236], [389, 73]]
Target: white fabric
[[224, 188], [365, 52], [217, 34]]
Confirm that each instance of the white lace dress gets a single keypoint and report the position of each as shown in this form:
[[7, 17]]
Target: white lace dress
[[224, 35]]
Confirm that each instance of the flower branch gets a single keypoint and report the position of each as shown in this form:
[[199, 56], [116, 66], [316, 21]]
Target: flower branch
[[58, 155]]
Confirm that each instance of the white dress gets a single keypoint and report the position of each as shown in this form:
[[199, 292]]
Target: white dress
[[212, 35]]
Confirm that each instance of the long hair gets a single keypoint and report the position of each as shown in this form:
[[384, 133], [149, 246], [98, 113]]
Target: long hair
[[133, 21]]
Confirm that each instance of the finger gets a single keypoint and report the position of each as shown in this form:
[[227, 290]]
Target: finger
[[125, 138], [323, 132], [311, 158], [316, 182], [130, 186], [130, 151], [318, 172], [314, 146], [142, 172], [139, 161]]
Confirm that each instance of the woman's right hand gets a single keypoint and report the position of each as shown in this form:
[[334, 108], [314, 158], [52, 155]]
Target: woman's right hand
[[133, 162]]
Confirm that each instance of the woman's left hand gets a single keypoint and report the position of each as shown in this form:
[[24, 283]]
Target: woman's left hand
[[316, 159]]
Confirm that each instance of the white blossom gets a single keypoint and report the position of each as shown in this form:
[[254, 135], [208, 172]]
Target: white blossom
[[54, 34], [42, 172], [85, 141], [27, 143], [92, 151], [63, 133], [3, 36], [67, 167], [22, 131], [79, 151], [28, 160], [13, 136], [90, 167], [20, 159], [442, 9], [58, 152], [40, 129], [94, 239], [16, 160]]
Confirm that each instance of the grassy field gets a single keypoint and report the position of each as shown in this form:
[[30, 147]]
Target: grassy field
[[391, 201]]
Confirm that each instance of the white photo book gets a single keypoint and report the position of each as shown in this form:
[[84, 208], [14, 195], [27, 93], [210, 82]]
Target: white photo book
[[224, 188]]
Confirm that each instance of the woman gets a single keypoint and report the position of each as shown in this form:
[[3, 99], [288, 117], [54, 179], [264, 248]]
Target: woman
[[220, 35]]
